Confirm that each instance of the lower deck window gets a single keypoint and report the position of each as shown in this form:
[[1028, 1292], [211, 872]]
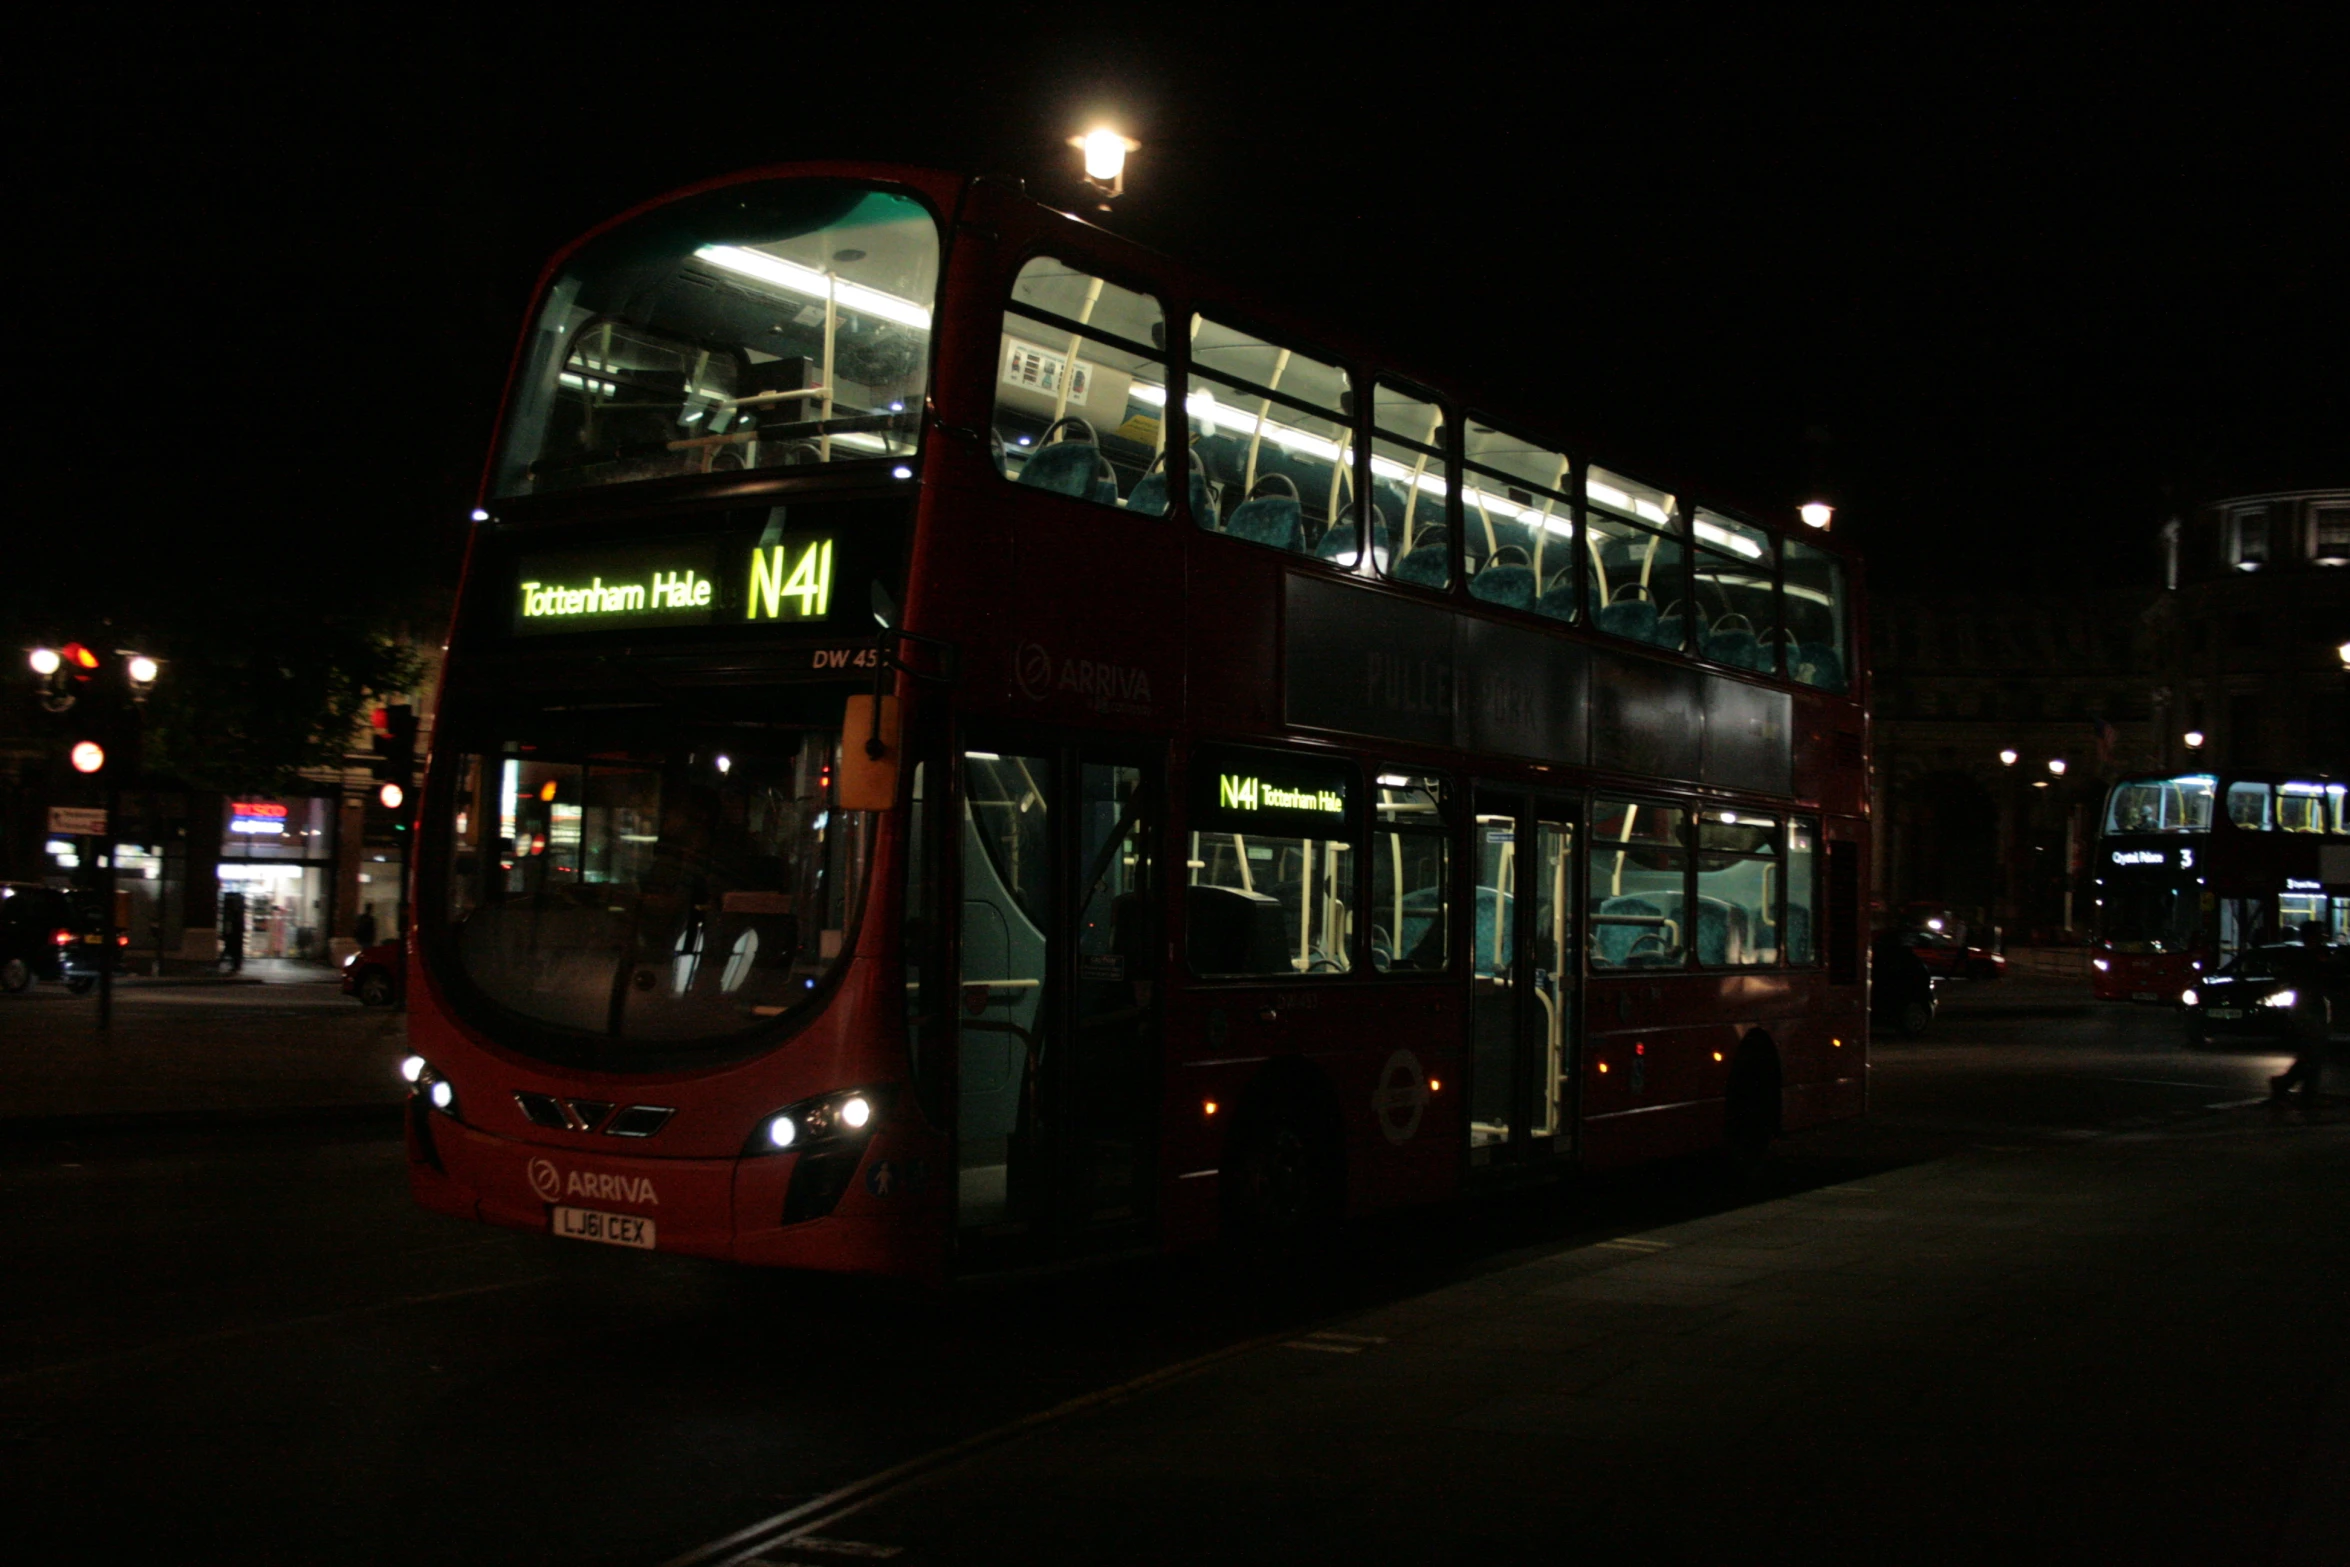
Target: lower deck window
[[1269, 906]]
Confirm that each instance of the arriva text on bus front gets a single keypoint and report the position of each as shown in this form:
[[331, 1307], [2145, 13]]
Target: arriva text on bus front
[[1237, 793]]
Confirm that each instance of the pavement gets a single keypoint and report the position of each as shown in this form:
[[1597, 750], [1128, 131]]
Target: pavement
[[2127, 1348], [278, 1040]]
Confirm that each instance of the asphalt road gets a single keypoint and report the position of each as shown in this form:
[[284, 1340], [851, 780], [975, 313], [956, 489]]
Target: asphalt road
[[243, 1343]]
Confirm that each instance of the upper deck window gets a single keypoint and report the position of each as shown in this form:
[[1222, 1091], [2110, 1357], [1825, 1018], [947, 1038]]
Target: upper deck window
[[2248, 806], [1633, 536], [2301, 807], [1813, 605], [1081, 389], [754, 327], [1271, 432], [2162, 804], [1735, 618], [1410, 483], [1519, 523]]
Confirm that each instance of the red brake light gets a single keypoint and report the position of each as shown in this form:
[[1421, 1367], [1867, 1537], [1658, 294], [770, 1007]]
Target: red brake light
[[123, 940], [78, 656], [63, 938]]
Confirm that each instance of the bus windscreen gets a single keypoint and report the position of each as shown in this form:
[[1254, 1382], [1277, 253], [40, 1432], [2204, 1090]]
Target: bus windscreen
[[761, 327], [677, 885]]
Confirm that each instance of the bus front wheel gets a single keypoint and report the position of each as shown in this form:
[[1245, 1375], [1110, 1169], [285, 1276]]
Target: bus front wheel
[[1284, 1190]]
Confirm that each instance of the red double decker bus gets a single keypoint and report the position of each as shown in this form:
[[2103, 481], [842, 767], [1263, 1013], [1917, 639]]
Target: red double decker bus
[[965, 741], [2195, 868]]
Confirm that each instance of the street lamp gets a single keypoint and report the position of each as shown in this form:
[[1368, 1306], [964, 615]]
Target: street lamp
[[1105, 158], [1816, 514], [2007, 757], [2193, 739], [2056, 765]]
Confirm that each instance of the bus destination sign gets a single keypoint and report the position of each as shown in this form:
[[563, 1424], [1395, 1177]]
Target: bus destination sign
[[688, 583], [1257, 791]]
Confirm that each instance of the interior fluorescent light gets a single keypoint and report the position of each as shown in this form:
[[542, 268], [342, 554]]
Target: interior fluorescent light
[[807, 280]]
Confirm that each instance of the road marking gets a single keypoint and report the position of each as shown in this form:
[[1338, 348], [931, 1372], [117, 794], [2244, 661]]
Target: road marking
[[2166, 1082], [1327, 1349], [1638, 1243], [2238, 1104]]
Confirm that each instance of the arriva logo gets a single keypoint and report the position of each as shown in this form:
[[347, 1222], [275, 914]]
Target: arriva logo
[[1103, 687], [554, 1185]]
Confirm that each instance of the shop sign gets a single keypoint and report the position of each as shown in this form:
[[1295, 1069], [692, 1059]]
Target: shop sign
[[77, 821], [257, 818]]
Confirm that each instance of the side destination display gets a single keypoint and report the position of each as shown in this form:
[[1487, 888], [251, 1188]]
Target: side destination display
[[695, 582], [1368, 663], [1234, 790]]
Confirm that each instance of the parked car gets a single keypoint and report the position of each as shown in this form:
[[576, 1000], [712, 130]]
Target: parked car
[[376, 975], [36, 923], [2248, 997], [1939, 938], [1901, 987]]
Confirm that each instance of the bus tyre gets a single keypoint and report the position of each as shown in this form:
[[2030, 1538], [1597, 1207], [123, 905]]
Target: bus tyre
[[1916, 1017], [15, 974], [1752, 1108], [1282, 1186]]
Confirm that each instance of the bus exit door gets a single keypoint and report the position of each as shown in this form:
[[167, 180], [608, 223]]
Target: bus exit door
[[1057, 1062], [1523, 1069]]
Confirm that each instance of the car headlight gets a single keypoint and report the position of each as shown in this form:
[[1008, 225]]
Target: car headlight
[[827, 1121], [2099, 964], [2280, 998], [2188, 998]]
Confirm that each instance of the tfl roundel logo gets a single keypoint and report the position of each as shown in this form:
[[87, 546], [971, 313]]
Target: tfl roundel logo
[[545, 1179]]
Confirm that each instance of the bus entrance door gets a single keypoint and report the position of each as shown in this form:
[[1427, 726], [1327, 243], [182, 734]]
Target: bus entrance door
[[1056, 1059], [1523, 1071]]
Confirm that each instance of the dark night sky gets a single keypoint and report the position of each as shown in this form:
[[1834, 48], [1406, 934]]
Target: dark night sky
[[1996, 284]]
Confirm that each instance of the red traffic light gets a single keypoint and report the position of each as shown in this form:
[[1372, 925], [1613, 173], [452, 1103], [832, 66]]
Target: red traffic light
[[88, 756], [380, 720]]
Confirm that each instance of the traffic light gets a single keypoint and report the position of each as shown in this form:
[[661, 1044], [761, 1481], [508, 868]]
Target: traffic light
[[395, 753]]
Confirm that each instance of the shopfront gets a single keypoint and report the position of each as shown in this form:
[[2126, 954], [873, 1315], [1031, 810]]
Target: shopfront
[[280, 855]]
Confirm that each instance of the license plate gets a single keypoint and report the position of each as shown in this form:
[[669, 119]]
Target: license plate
[[612, 1229], [2144, 995], [95, 941], [2224, 1014]]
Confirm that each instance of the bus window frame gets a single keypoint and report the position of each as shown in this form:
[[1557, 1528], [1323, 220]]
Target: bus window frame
[[1565, 492], [1174, 428], [1357, 836], [1197, 310], [1448, 452]]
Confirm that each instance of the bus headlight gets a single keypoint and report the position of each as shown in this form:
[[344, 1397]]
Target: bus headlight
[[814, 1125], [2188, 998], [2099, 964], [438, 1091], [2280, 998]]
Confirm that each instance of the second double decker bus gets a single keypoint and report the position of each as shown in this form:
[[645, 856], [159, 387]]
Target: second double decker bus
[[965, 741], [2194, 868]]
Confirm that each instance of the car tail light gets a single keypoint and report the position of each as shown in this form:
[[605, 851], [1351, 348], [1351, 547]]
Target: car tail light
[[63, 938]]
